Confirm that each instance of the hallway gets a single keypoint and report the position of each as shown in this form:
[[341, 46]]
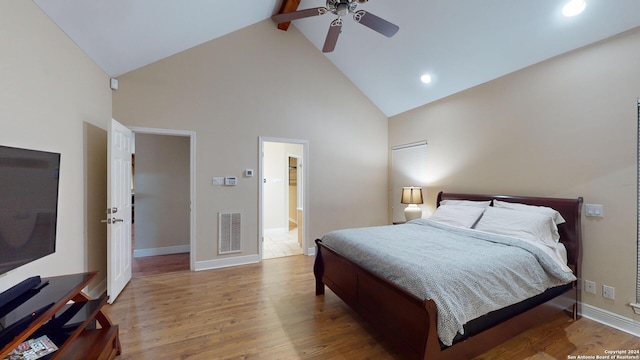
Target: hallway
[[276, 246]]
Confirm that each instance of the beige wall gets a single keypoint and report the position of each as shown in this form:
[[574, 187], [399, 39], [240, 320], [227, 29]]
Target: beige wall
[[564, 128], [260, 81], [54, 98], [95, 200], [161, 194]]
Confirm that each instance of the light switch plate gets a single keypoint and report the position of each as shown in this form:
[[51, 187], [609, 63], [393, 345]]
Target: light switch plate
[[217, 181], [596, 210]]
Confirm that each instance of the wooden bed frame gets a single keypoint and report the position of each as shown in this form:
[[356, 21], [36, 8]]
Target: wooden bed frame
[[409, 323]]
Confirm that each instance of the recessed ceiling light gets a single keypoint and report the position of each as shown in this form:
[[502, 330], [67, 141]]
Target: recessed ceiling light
[[574, 7], [426, 78]]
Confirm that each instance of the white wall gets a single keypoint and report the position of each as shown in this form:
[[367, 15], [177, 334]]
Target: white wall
[[276, 190]]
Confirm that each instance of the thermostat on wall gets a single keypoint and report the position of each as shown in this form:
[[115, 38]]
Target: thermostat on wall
[[230, 180]]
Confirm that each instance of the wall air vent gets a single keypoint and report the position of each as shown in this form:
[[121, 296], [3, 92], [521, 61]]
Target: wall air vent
[[229, 232]]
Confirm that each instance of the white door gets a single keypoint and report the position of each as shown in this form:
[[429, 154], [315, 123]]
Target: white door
[[118, 209]]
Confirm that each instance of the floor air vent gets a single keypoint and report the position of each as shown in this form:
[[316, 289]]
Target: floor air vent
[[229, 232]]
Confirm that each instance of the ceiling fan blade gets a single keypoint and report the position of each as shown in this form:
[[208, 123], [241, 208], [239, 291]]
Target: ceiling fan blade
[[332, 36], [376, 23], [280, 18]]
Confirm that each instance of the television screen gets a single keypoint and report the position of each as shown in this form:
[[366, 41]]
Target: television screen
[[28, 205]]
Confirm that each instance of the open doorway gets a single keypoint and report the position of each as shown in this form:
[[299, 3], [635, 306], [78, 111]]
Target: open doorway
[[282, 194], [161, 197]]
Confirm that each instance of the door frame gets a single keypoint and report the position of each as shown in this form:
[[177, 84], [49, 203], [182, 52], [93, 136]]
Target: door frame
[[299, 194], [192, 180], [306, 250]]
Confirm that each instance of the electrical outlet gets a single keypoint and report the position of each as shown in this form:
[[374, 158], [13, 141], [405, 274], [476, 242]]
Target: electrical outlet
[[608, 292], [589, 287]]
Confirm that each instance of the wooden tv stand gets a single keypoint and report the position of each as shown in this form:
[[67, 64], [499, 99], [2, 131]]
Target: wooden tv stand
[[60, 310]]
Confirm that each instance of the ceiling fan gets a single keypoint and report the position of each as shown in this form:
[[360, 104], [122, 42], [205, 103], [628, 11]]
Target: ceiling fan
[[341, 8]]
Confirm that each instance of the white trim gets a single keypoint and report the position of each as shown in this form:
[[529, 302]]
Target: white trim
[[405, 146], [638, 214], [98, 290], [611, 319], [167, 250], [306, 250], [226, 262], [192, 180]]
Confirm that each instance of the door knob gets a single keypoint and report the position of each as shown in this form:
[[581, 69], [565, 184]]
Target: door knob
[[112, 221]]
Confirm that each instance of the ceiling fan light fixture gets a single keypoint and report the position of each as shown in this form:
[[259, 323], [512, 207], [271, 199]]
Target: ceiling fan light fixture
[[342, 10], [574, 7]]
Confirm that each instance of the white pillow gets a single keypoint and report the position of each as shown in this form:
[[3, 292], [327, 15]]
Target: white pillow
[[555, 215], [520, 224], [457, 215], [482, 204]]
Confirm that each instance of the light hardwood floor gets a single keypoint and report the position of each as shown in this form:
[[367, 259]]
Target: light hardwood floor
[[153, 265], [269, 311]]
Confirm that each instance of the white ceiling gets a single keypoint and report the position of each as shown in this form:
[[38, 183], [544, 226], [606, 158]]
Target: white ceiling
[[462, 43]]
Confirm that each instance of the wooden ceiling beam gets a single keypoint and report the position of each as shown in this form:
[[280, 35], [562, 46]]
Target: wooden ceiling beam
[[288, 6]]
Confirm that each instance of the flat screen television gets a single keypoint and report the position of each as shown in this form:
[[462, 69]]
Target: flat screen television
[[29, 181]]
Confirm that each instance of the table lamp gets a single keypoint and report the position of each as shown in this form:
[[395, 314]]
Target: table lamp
[[412, 195]]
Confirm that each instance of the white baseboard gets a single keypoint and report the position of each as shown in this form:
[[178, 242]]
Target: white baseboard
[[167, 250], [98, 290], [611, 319], [226, 262]]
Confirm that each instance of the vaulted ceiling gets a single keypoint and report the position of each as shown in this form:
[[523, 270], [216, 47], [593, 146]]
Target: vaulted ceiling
[[460, 43]]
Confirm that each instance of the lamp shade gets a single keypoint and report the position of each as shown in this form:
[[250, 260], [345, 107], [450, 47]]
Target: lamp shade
[[411, 195]]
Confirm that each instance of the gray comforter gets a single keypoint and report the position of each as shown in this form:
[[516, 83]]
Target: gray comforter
[[466, 272]]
